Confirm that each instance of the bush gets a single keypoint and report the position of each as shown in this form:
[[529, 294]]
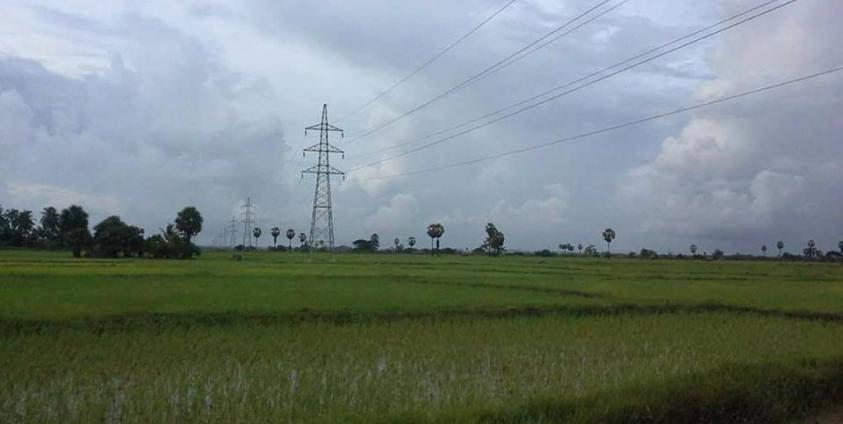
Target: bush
[[171, 245]]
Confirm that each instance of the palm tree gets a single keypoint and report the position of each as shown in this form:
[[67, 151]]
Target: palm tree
[[257, 233], [812, 248], [189, 222], [275, 233], [608, 235], [780, 246], [435, 231], [579, 247], [693, 250], [764, 250], [291, 233], [396, 242], [412, 242], [302, 239]]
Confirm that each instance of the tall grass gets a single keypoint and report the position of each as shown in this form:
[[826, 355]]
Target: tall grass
[[334, 373], [319, 338]]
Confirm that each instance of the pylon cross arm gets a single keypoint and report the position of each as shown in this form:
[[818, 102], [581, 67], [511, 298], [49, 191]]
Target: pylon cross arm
[[330, 148], [323, 127], [320, 169]]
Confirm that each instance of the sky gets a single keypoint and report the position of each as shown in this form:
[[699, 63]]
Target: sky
[[139, 109]]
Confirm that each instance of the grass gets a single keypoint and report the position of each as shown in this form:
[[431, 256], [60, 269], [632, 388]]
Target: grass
[[397, 338]]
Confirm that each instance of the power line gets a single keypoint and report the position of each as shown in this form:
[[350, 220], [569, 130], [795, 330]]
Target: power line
[[568, 84], [429, 61], [489, 70], [571, 90], [616, 127]]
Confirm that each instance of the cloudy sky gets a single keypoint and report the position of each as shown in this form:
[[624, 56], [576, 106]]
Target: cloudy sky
[[141, 108]]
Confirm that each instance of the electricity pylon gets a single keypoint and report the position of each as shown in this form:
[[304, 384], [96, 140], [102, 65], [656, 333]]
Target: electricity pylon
[[322, 220], [233, 232], [247, 222]]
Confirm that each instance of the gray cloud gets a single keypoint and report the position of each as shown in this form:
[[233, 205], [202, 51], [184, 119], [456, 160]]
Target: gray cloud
[[766, 168], [142, 108]]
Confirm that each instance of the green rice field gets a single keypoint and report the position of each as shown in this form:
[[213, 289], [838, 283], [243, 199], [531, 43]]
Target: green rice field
[[281, 337]]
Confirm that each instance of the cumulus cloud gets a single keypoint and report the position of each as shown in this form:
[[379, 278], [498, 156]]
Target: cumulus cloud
[[144, 107], [767, 167], [163, 126]]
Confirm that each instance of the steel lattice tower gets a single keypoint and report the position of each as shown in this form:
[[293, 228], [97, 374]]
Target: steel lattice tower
[[247, 222], [322, 221], [233, 232]]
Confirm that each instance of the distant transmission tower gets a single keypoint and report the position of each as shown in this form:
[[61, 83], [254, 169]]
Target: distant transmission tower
[[247, 222], [233, 230], [322, 221]]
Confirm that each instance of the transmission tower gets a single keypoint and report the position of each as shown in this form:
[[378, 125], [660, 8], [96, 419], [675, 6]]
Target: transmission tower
[[322, 221], [233, 232], [247, 222]]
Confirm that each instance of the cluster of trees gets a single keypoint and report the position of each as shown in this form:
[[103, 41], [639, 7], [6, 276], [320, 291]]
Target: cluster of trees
[[291, 234], [68, 229], [275, 232], [810, 251], [176, 240], [493, 243], [589, 250], [372, 244]]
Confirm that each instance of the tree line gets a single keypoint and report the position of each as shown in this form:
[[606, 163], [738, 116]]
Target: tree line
[[68, 229]]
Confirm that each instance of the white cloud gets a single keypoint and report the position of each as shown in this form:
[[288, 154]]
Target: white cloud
[[765, 167], [160, 104], [22, 192], [391, 218]]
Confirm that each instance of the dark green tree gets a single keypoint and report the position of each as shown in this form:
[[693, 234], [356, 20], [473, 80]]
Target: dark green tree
[[291, 234], [811, 251], [20, 228], [111, 237], [73, 223], [189, 222], [780, 246], [5, 230], [494, 239], [257, 233], [362, 245], [275, 232], [435, 232], [608, 235], [50, 228], [171, 243]]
